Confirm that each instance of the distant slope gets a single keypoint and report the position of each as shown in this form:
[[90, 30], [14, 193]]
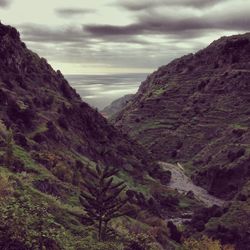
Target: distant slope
[[116, 106]]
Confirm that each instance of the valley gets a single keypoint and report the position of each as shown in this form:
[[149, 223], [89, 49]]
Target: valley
[[168, 170]]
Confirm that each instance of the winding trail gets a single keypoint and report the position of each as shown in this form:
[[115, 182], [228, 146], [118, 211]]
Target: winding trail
[[183, 184]]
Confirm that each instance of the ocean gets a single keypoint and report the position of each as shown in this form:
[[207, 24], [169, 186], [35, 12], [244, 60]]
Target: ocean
[[100, 90]]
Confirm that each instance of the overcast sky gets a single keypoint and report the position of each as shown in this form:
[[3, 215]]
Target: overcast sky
[[114, 36]]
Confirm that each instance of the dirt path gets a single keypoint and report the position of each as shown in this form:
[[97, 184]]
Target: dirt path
[[183, 184]]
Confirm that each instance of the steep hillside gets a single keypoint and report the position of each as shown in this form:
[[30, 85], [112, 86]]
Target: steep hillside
[[196, 111], [47, 113], [56, 137], [116, 106]]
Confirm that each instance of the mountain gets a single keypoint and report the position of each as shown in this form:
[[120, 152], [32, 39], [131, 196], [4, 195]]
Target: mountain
[[50, 142], [116, 106], [48, 114], [56, 137], [196, 111]]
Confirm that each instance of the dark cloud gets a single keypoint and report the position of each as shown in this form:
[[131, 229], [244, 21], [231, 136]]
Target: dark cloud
[[154, 37], [4, 3], [39, 33], [71, 35], [69, 12], [146, 4], [148, 26], [166, 25], [112, 30], [71, 46]]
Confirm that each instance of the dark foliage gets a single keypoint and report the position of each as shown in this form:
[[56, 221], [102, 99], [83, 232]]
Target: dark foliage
[[102, 201]]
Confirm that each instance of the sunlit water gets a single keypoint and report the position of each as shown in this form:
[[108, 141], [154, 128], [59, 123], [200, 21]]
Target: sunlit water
[[100, 90]]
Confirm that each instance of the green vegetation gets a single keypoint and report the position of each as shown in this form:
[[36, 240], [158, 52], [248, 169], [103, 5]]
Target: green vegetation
[[133, 184], [102, 202], [204, 243], [8, 156], [38, 209]]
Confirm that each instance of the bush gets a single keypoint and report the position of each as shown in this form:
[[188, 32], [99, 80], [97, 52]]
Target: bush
[[5, 187], [204, 243], [21, 140], [140, 241], [21, 113], [63, 122], [62, 172], [233, 155]]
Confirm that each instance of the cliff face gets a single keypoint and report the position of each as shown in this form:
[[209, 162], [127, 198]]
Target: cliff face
[[196, 111], [47, 114]]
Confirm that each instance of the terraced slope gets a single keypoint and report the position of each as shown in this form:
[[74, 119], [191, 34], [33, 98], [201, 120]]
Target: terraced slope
[[196, 110]]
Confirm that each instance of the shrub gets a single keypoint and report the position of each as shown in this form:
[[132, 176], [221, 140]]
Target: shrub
[[204, 243], [25, 225], [21, 140], [62, 172], [140, 241], [5, 187], [63, 122]]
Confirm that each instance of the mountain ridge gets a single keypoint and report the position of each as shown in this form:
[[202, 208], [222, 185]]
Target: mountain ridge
[[195, 111]]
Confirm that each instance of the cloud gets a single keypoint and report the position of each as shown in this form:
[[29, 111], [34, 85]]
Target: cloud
[[70, 12], [71, 35], [147, 4], [4, 3], [112, 30], [42, 33], [164, 26], [182, 26], [150, 37]]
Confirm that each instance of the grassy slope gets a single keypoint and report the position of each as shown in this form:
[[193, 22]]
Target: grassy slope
[[73, 230]]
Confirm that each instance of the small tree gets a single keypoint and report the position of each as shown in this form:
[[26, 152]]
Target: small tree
[[102, 200]]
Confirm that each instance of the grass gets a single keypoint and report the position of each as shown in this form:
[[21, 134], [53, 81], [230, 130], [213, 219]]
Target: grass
[[132, 184], [67, 211]]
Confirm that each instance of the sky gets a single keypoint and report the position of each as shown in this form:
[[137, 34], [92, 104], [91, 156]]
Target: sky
[[121, 36]]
